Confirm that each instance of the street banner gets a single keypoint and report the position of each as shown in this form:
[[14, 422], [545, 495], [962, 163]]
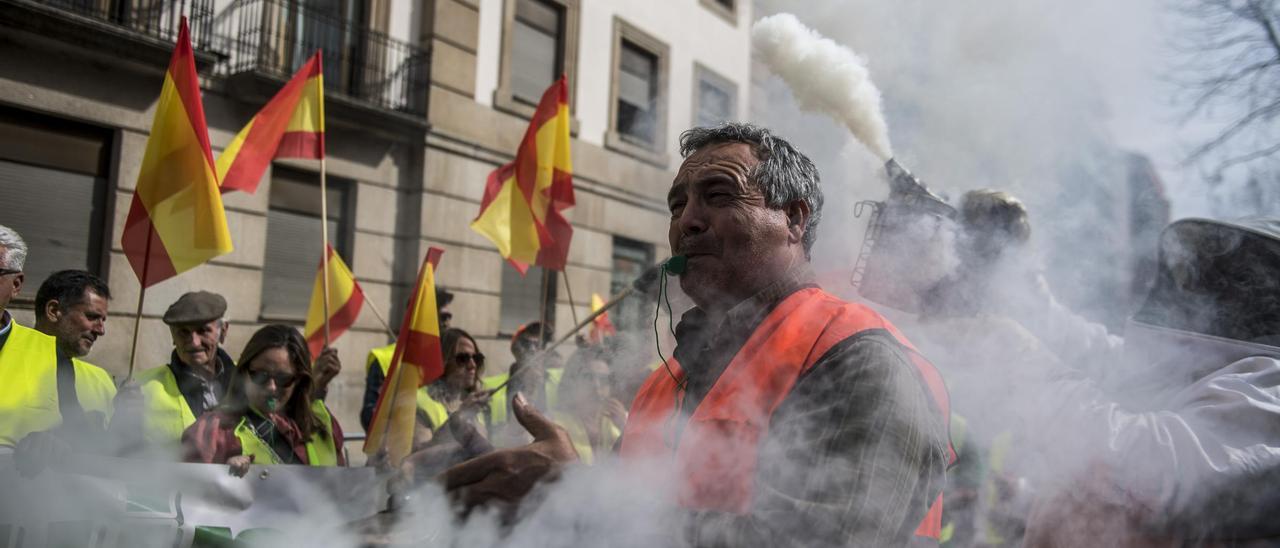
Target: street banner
[[105, 502]]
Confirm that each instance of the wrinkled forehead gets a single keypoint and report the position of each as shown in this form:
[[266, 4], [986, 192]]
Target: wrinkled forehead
[[730, 158]]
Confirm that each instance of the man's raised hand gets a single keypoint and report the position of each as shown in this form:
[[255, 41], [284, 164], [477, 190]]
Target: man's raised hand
[[504, 477]]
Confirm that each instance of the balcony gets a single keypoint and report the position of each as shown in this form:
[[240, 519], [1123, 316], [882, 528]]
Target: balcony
[[142, 30], [267, 40]]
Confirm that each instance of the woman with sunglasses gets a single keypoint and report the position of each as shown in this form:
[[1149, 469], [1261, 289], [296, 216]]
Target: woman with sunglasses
[[268, 415], [459, 389]]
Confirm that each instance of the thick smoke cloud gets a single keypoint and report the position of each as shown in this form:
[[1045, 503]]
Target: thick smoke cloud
[[825, 77]]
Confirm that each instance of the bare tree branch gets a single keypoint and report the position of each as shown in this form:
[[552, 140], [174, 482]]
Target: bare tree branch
[[1232, 50]]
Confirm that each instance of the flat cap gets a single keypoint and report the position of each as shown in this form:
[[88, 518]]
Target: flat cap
[[196, 307]]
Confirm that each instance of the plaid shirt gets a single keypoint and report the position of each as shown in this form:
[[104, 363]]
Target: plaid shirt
[[854, 455]]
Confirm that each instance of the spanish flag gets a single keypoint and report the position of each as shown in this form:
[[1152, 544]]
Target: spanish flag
[[601, 326], [291, 125], [346, 296], [417, 361], [176, 221], [520, 212]]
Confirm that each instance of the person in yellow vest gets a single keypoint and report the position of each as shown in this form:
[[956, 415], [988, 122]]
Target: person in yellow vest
[[46, 399], [71, 306], [164, 401], [587, 409], [451, 416], [381, 356], [536, 375], [269, 414], [457, 395]]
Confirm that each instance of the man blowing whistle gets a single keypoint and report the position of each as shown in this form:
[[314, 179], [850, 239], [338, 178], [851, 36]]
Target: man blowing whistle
[[786, 416]]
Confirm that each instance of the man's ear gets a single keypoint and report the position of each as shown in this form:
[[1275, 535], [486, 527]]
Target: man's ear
[[17, 282], [797, 219], [222, 337], [52, 310]]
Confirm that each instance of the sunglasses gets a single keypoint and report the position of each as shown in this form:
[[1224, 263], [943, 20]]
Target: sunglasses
[[261, 378], [446, 317], [8, 271], [463, 357]]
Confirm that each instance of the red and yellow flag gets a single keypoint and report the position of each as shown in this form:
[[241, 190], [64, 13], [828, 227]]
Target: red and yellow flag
[[601, 327], [346, 299], [291, 125], [520, 212], [176, 221], [418, 360]]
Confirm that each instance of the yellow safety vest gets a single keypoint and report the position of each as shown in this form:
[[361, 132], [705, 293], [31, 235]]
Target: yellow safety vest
[[498, 403], [578, 434], [434, 410], [321, 449], [165, 413], [95, 389], [29, 385]]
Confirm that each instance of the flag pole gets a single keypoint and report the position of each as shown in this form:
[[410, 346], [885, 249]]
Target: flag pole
[[542, 318], [137, 318], [324, 252], [581, 325], [573, 306], [378, 314], [324, 199]]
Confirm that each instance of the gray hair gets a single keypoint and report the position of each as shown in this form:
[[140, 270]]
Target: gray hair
[[784, 174], [13, 250]]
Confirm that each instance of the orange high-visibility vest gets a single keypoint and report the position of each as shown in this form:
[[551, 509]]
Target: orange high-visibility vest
[[716, 454]]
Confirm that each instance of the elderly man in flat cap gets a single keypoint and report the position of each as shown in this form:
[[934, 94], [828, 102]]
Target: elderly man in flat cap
[[167, 399]]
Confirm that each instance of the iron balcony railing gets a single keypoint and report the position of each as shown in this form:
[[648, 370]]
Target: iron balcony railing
[[155, 18], [277, 36]]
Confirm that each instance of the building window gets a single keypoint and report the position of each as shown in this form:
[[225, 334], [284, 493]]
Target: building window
[[54, 176], [715, 98], [293, 239], [728, 9], [637, 115], [522, 297], [630, 259], [538, 43]]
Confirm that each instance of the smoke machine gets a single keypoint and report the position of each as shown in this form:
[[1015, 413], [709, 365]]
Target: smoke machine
[[907, 237]]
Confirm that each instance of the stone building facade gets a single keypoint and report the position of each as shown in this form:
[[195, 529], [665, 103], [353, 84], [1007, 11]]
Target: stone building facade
[[423, 99]]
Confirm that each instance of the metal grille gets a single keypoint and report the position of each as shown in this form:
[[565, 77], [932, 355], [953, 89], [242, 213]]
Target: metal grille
[[156, 18], [278, 36]]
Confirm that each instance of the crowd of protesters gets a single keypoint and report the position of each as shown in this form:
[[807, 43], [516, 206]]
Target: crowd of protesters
[[789, 416]]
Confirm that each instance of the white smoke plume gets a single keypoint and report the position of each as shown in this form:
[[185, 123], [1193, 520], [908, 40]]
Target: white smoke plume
[[825, 77]]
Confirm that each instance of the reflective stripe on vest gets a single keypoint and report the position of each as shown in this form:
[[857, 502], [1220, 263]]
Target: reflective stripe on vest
[[321, 450], [28, 384], [716, 454], [165, 413]]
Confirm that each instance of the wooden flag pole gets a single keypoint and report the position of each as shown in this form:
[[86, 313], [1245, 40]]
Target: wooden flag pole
[[137, 318], [582, 324], [542, 318], [573, 306], [381, 319], [324, 252], [137, 325]]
